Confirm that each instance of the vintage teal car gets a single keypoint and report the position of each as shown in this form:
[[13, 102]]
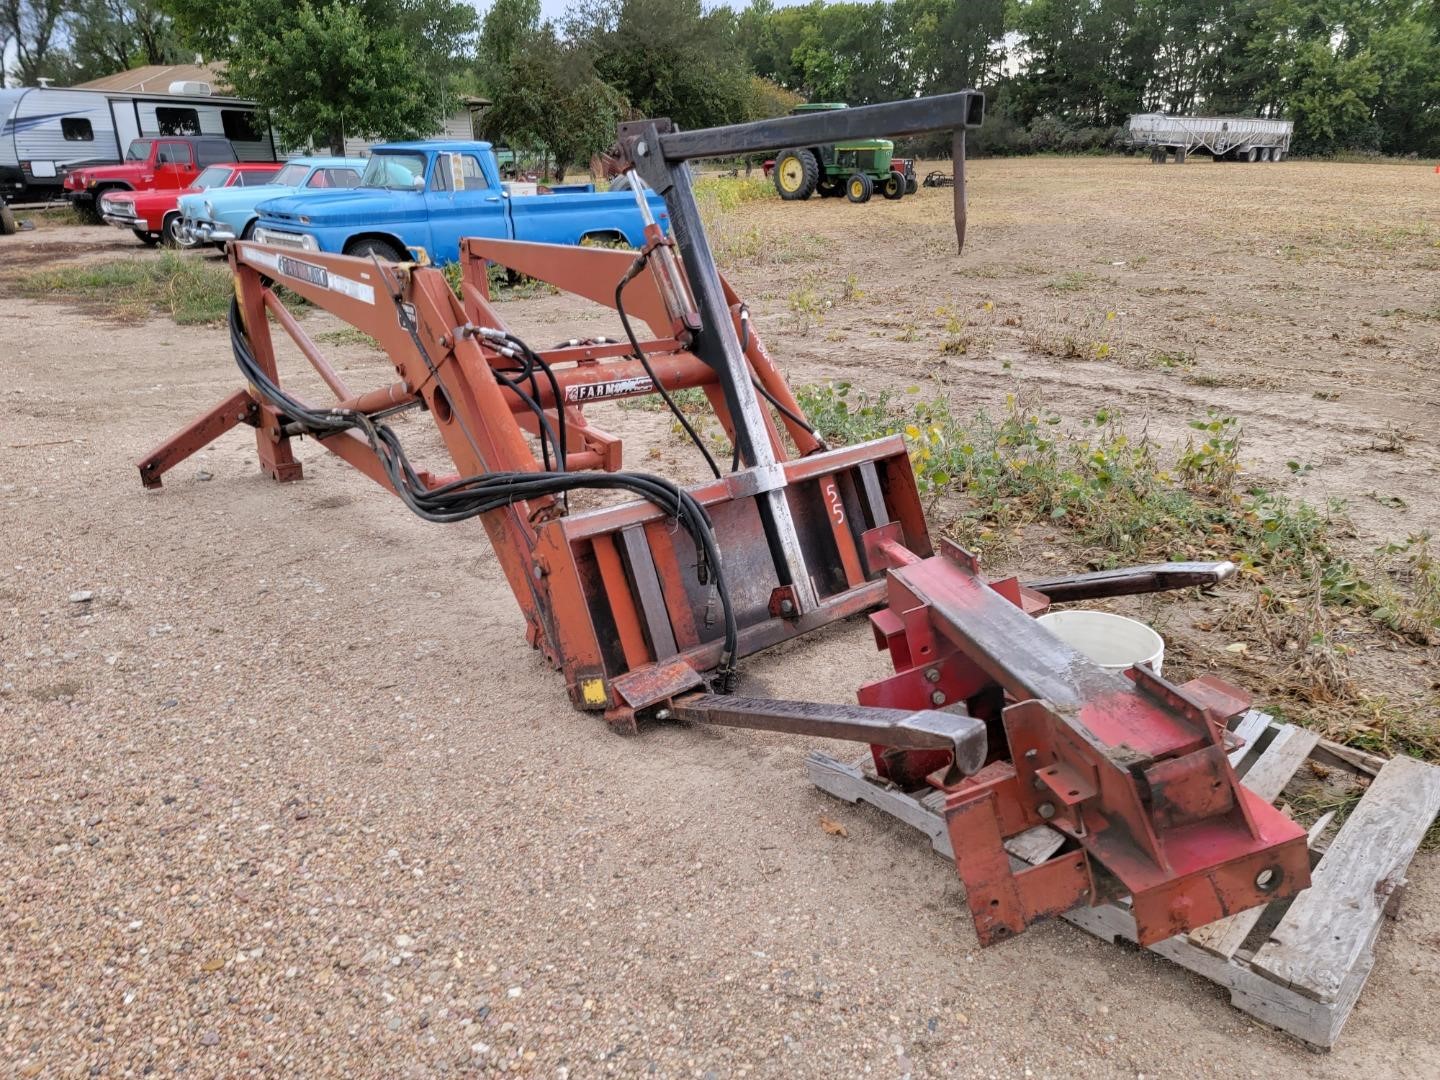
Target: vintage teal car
[[217, 217]]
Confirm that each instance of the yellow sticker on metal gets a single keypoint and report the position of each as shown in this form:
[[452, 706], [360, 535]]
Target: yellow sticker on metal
[[593, 691]]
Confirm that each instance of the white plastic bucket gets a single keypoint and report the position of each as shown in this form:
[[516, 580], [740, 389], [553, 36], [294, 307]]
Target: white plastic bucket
[[1112, 641]]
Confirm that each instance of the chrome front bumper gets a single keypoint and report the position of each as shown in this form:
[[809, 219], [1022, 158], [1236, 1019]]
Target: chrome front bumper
[[121, 220], [205, 232]]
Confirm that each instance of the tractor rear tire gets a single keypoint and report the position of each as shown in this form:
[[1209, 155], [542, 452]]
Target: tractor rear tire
[[911, 185], [796, 174], [859, 188], [893, 186]]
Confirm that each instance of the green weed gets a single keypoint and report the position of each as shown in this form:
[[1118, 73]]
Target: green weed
[[190, 291]]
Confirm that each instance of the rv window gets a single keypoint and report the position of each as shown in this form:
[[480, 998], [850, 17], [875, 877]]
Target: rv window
[[240, 126], [76, 129], [173, 153], [178, 121]]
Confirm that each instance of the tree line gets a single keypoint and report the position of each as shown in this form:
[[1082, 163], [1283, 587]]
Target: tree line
[[1058, 74]]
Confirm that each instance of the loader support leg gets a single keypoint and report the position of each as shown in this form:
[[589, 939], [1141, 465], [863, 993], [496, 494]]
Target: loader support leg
[[238, 408]]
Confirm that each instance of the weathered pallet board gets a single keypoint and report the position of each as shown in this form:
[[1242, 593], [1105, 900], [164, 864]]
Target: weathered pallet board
[[1335, 921], [1296, 981]]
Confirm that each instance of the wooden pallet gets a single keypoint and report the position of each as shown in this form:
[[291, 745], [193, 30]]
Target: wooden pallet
[[1297, 964]]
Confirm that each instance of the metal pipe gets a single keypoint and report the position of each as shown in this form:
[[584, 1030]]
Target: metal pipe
[[924, 729], [913, 116], [306, 346]]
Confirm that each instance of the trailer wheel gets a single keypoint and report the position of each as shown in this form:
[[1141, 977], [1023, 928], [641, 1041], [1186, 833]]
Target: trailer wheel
[[1251, 154], [149, 239], [1277, 154], [911, 185], [1180, 155], [893, 186], [7, 221], [859, 188], [796, 174]]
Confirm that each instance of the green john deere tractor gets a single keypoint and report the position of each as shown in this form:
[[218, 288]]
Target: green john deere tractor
[[854, 169]]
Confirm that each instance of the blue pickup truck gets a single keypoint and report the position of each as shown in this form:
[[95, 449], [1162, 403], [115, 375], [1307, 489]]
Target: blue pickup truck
[[426, 196]]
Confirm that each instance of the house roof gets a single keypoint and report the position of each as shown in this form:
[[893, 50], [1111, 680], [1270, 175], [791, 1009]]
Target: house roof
[[156, 78]]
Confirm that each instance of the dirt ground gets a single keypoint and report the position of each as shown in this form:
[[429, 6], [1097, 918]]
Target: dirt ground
[[289, 795]]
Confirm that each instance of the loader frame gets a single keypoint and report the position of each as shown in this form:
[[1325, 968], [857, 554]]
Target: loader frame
[[1013, 725]]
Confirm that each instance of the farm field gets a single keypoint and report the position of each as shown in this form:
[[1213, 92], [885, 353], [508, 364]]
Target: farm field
[[287, 794]]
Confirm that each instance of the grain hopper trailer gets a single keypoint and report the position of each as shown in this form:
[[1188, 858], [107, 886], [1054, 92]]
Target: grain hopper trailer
[[1225, 138]]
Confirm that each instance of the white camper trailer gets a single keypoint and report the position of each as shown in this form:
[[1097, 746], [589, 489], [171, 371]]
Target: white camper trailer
[[45, 131]]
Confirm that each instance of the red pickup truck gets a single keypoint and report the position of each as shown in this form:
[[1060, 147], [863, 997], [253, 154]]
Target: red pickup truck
[[170, 161], [155, 215]]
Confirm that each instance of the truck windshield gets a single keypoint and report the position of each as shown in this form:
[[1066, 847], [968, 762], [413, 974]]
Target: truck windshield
[[394, 172], [214, 176], [291, 175], [139, 150]]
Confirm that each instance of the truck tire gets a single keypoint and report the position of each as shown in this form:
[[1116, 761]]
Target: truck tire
[[381, 249], [796, 174], [859, 188], [893, 186], [149, 239]]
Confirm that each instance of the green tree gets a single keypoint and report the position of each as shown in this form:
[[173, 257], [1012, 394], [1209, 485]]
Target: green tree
[[666, 57], [114, 35], [550, 99], [337, 69], [34, 29], [508, 25]]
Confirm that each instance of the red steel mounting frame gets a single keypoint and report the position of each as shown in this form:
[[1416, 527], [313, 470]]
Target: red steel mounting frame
[[1133, 771]]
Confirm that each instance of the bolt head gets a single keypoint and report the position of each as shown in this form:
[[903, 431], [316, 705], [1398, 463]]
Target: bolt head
[[932, 674], [1031, 754], [538, 573], [1046, 810], [938, 697], [787, 607]]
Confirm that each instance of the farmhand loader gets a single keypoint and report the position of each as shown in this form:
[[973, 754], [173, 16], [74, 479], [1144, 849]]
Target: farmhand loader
[[646, 605]]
